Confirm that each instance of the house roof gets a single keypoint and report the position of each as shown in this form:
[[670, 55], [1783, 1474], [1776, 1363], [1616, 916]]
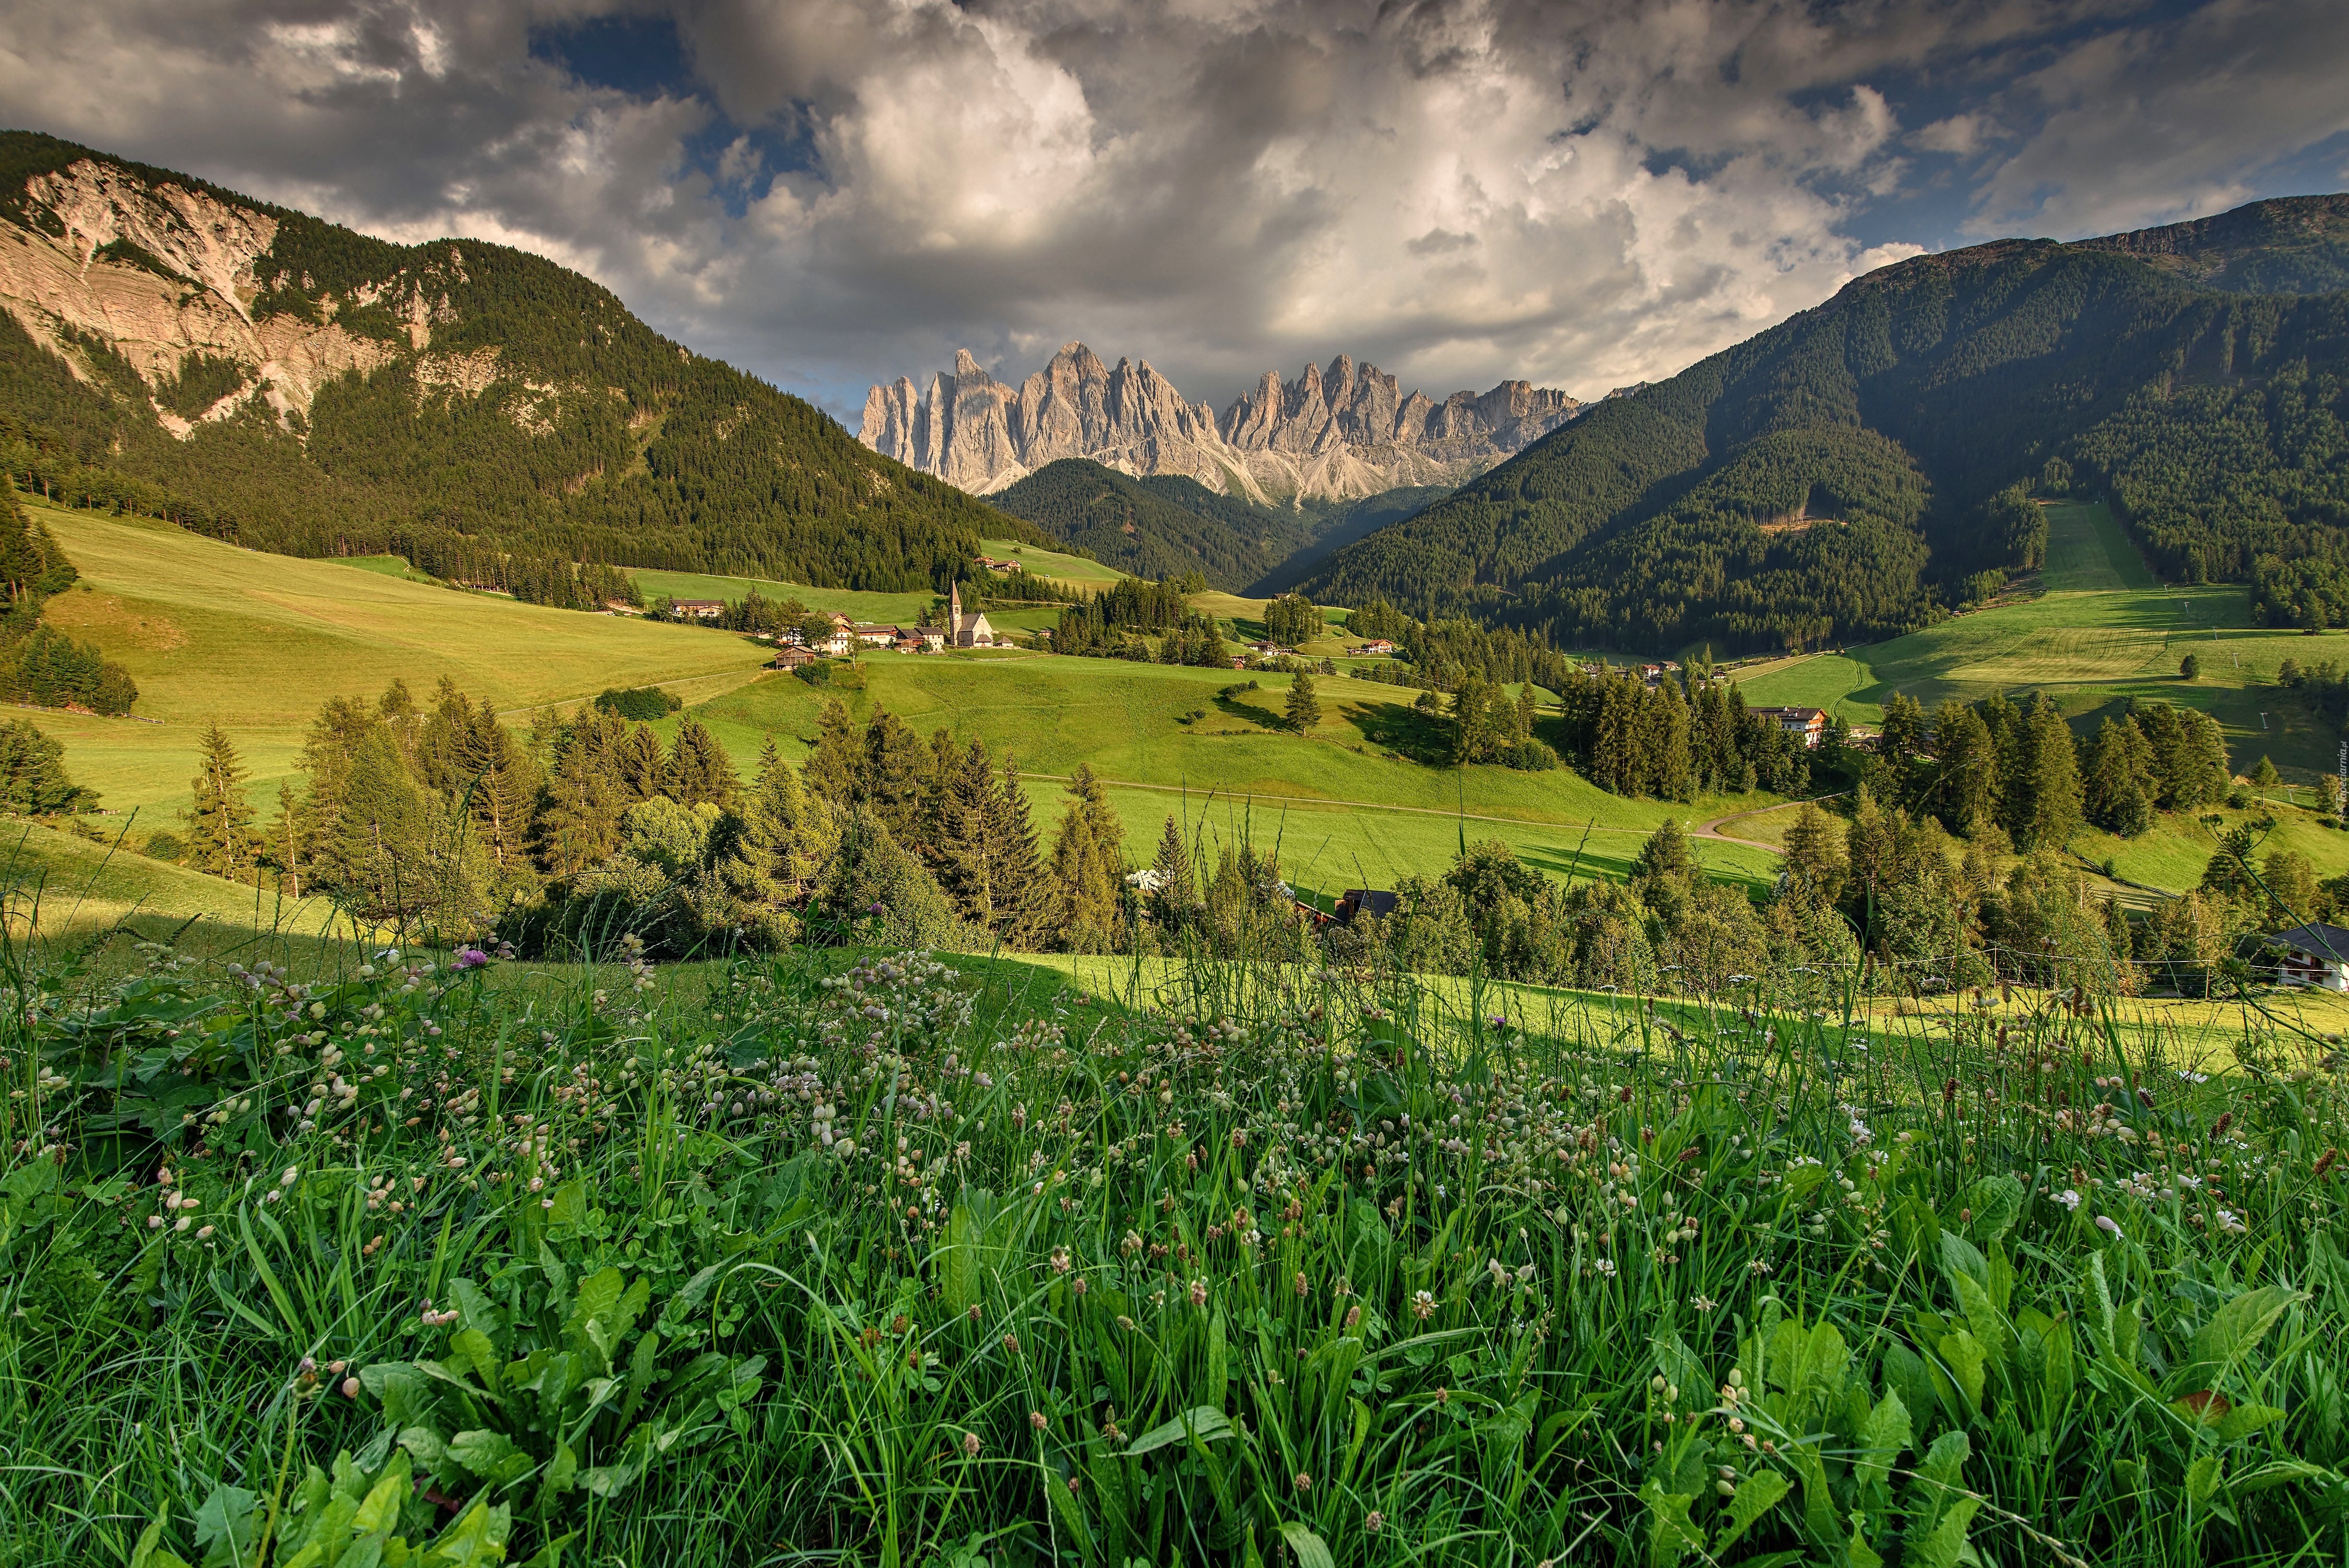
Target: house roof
[[2326, 941], [1356, 900]]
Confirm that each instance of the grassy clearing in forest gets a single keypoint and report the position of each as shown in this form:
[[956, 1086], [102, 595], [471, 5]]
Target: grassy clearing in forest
[[873, 1258], [2102, 632]]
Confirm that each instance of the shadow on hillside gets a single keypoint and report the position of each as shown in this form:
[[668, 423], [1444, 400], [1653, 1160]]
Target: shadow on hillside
[[1401, 728]]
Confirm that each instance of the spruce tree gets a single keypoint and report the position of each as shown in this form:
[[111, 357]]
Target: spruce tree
[[1304, 705], [2114, 779], [219, 819], [377, 848], [2053, 813], [640, 768], [1175, 886], [699, 773], [1966, 779], [1022, 900], [834, 772], [33, 780], [577, 824], [1814, 858], [896, 769]]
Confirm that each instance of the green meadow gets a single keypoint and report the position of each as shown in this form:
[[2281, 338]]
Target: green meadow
[[2100, 631]]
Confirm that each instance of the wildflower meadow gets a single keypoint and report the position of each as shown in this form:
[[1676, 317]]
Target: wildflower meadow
[[387, 1257]]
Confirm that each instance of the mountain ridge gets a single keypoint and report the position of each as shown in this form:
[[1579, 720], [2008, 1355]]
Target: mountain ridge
[[1343, 433], [1908, 405], [183, 351]]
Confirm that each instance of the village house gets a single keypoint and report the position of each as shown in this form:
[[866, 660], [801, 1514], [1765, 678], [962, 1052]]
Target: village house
[[1808, 723], [2314, 954], [697, 609], [1375, 645], [792, 658], [873, 635]]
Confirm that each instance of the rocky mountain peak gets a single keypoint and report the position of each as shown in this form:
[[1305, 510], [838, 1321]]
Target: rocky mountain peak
[[1338, 432]]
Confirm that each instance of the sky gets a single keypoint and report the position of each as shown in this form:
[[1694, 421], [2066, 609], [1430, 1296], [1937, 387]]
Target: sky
[[1580, 193]]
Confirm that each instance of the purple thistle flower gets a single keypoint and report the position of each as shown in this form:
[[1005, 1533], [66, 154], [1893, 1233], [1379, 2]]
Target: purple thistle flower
[[469, 958]]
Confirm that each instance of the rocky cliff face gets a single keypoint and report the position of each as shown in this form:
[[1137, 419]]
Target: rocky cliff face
[[161, 274], [1338, 433]]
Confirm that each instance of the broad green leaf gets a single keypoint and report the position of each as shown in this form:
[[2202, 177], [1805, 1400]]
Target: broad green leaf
[[473, 1346], [2235, 1328], [1671, 1536], [1961, 1256], [1757, 1495], [1204, 1424], [149, 1554], [2202, 1477], [1882, 1438], [1311, 1550], [1962, 1353], [490, 1456], [2244, 1420], [379, 1511], [1937, 1484], [1995, 1200], [1859, 1553], [1945, 1545], [1988, 1324]]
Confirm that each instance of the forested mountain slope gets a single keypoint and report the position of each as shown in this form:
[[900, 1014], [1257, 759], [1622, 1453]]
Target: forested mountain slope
[[261, 375], [1850, 472], [1161, 526]]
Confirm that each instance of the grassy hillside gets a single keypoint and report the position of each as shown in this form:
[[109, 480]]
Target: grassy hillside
[[257, 642], [2102, 631], [1347, 802]]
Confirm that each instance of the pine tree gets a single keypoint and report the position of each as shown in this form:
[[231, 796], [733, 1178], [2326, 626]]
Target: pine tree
[[697, 772], [1814, 858], [768, 869], [374, 860], [639, 766], [1022, 900], [1304, 705], [1966, 781], [895, 772], [2116, 770], [33, 780], [577, 823], [834, 772], [220, 820], [2053, 788], [1174, 885]]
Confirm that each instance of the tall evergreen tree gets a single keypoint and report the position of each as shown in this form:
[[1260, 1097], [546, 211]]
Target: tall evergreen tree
[[1966, 776], [1814, 858], [697, 772], [640, 770], [219, 819], [33, 780], [2053, 781], [1304, 706], [1175, 885], [375, 850], [834, 772], [895, 772], [2114, 777]]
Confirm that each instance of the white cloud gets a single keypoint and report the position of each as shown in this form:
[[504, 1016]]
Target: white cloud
[[1583, 193]]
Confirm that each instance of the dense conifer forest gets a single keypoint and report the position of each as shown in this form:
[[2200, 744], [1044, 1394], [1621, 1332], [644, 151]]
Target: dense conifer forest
[[1851, 473], [593, 439]]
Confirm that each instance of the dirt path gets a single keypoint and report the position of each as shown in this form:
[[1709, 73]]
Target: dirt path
[[1711, 829]]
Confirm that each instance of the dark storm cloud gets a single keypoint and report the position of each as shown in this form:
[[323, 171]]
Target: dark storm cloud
[[1584, 194]]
